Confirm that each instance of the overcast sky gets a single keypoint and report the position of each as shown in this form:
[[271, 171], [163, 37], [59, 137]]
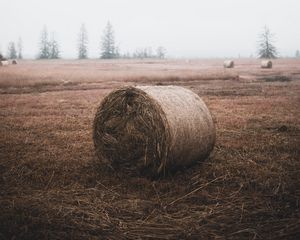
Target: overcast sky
[[186, 28]]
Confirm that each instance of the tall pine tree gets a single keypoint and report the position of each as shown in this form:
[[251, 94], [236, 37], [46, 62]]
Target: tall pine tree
[[82, 43], [44, 52], [53, 48], [12, 52], [20, 48], [108, 48], [161, 52], [266, 48]]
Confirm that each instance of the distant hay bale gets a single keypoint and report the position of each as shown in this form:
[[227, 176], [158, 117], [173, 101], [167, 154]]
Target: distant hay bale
[[4, 63], [14, 61], [266, 64], [228, 64], [152, 129]]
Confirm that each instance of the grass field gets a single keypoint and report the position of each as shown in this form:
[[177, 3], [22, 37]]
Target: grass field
[[51, 186]]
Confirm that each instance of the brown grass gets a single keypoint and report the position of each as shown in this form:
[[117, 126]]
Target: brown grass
[[50, 187]]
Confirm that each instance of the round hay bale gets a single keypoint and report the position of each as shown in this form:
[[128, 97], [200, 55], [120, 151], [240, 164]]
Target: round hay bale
[[14, 61], [266, 64], [4, 63], [228, 64], [152, 129]]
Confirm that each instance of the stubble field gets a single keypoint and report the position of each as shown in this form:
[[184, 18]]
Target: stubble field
[[52, 187]]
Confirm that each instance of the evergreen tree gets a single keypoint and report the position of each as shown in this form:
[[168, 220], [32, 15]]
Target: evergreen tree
[[12, 52], [44, 44], [2, 58], [161, 52], [20, 48], [53, 48], [266, 48], [82, 43], [117, 52], [108, 49]]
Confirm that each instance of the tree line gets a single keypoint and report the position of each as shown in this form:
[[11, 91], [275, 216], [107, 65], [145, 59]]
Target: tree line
[[14, 50], [48, 46], [50, 49], [109, 49]]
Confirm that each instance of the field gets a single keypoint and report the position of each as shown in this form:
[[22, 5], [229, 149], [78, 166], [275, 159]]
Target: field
[[52, 186]]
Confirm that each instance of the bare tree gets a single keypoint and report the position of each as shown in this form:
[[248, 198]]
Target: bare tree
[[143, 53], [126, 55], [20, 48], [82, 42], [108, 48], [44, 51], [297, 54], [266, 48], [139, 53], [11, 51]]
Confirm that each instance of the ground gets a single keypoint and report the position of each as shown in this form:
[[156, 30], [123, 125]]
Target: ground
[[52, 186]]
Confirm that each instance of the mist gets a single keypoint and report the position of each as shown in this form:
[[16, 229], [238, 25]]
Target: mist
[[188, 29]]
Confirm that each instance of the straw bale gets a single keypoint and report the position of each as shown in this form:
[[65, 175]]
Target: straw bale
[[153, 129], [228, 64], [266, 64], [3, 63]]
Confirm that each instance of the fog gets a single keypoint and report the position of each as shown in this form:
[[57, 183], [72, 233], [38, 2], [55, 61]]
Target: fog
[[186, 28]]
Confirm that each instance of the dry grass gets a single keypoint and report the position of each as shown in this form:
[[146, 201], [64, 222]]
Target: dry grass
[[67, 75], [51, 188]]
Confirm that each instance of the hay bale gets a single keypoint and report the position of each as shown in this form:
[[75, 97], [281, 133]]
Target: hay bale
[[266, 64], [14, 61], [228, 64], [4, 63], [152, 129]]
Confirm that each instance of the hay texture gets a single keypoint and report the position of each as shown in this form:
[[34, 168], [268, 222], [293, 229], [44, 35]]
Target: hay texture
[[152, 129], [228, 64], [3, 63], [266, 64]]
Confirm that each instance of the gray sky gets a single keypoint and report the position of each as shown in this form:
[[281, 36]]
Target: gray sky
[[186, 28]]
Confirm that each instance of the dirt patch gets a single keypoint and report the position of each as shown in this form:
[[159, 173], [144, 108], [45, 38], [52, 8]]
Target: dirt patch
[[277, 78]]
